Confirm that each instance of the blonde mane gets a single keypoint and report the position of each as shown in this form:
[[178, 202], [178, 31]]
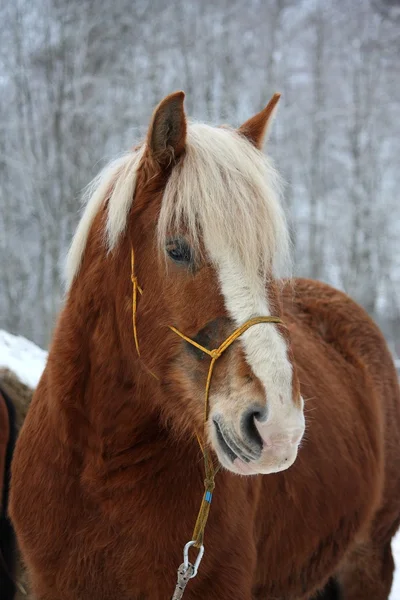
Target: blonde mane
[[224, 190]]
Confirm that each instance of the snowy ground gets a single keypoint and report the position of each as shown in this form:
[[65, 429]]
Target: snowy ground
[[22, 357], [27, 360], [395, 595]]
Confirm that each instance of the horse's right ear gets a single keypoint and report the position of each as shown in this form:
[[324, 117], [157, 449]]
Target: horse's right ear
[[256, 129], [166, 137]]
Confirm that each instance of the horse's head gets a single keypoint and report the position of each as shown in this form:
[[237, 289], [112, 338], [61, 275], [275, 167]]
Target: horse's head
[[200, 206]]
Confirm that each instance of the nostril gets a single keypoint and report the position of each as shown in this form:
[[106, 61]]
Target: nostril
[[248, 426], [260, 413]]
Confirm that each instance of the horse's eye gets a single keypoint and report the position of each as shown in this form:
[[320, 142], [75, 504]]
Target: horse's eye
[[179, 251]]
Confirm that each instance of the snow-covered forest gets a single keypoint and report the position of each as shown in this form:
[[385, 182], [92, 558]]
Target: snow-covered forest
[[78, 82]]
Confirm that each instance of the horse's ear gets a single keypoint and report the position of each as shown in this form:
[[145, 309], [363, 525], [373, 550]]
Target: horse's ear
[[166, 137], [256, 128]]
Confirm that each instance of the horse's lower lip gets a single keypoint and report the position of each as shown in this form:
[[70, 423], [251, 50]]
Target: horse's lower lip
[[227, 445]]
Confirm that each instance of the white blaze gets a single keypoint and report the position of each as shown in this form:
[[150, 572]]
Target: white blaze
[[265, 349]]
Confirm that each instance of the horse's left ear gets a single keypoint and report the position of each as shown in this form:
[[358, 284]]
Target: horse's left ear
[[166, 137], [256, 128]]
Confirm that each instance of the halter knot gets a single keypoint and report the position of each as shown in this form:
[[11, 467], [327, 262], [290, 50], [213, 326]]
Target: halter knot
[[134, 280], [209, 484], [216, 353]]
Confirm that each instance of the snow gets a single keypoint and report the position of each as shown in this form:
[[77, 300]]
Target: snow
[[395, 595], [22, 357], [28, 361]]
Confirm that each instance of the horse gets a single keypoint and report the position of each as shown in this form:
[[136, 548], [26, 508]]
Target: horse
[[186, 357], [7, 538], [15, 398]]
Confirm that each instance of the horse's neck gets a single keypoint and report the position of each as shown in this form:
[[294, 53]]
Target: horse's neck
[[105, 401]]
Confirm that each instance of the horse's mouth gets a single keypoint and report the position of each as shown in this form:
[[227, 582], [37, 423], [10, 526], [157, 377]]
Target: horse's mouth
[[231, 445]]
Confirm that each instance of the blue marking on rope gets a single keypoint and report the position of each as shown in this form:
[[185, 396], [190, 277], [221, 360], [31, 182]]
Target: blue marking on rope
[[208, 497]]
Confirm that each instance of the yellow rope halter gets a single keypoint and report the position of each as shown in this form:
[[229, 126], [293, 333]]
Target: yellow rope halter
[[210, 469]]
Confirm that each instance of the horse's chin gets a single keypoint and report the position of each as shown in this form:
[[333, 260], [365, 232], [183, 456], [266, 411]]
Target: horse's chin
[[267, 463]]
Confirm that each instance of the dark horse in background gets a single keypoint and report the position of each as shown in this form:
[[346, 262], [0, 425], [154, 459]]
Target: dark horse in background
[[186, 236], [15, 398], [7, 538]]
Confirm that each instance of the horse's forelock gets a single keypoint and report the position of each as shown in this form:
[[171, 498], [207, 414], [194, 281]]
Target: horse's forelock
[[227, 192]]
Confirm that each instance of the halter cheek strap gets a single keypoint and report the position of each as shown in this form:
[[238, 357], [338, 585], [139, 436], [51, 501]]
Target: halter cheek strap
[[135, 289], [210, 469]]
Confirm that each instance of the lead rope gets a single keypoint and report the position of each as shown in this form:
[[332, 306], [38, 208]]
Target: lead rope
[[187, 570], [185, 573]]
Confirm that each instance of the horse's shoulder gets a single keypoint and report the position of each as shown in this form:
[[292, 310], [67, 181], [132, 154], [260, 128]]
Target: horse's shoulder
[[319, 315], [317, 303]]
